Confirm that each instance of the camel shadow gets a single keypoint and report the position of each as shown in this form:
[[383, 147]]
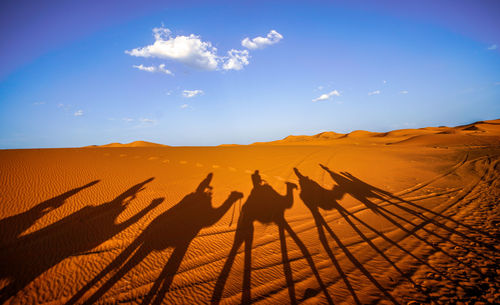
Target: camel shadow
[[266, 206], [33, 254], [315, 197], [175, 228], [363, 192], [12, 227]]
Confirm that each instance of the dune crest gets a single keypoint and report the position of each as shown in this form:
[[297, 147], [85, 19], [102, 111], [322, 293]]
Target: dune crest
[[477, 133], [131, 144]]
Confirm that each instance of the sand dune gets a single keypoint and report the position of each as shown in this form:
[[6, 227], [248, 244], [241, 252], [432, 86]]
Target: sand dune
[[398, 217], [131, 144], [485, 132]]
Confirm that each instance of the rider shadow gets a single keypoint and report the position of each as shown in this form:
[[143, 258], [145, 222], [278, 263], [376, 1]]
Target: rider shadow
[[315, 197], [33, 254], [363, 191], [12, 227], [175, 228], [266, 206]]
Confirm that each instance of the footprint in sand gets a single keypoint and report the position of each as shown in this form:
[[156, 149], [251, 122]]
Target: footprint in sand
[[123, 155], [183, 162], [279, 178], [215, 166], [199, 165], [247, 171], [153, 158], [232, 169], [166, 161]]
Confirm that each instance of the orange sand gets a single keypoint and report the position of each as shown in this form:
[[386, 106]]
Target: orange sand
[[399, 217]]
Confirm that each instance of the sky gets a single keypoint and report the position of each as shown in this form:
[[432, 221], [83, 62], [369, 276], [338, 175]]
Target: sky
[[196, 73]]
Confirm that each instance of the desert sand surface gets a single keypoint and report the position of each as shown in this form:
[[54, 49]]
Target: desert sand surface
[[404, 217]]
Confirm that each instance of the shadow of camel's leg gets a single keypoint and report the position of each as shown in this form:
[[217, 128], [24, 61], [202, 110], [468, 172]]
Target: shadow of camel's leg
[[115, 264], [309, 260], [286, 265], [395, 244], [357, 263], [324, 242], [246, 297], [8, 291], [414, 234], [224, 274], [372, 245], [166, 277], [131, 263]]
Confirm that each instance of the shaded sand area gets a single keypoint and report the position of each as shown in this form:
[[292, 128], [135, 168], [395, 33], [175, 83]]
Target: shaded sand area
[[404, 217]]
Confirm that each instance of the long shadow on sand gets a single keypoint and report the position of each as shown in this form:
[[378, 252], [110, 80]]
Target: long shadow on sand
[[315, 197], [31, 255], [12, 227], [363, 192], [175, 228], [267, 206]]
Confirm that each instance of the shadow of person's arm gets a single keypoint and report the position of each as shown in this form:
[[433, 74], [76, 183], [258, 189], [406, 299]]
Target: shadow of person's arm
[[205, 183]]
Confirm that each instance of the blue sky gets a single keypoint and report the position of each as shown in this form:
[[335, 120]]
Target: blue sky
[[75, 74]]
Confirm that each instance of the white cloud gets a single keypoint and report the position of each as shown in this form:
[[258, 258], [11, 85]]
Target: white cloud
[[190, 50], [78, 113], [326, 96], [374, 92], [260, 42], [60, 105], [184, 106], [161, 68], [146, 120], [39, 103], [493, 47], [320, 88], [128, 119], [236, 60], [403, 91], [191, 93], [384, 81]]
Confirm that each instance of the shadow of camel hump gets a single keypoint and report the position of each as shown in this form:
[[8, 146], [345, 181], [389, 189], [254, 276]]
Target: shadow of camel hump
[[12, 227], [175, 228], [34, 253], [264, 205]]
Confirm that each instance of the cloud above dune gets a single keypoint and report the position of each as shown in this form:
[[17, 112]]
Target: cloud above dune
[[190, 50], [78, 113], [192, 93], [326, 96], [374, 92], [259, 42], [154, 69], [403, 91]]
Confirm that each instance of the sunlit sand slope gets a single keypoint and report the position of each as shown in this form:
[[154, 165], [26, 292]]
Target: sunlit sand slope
[[408, 215]]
